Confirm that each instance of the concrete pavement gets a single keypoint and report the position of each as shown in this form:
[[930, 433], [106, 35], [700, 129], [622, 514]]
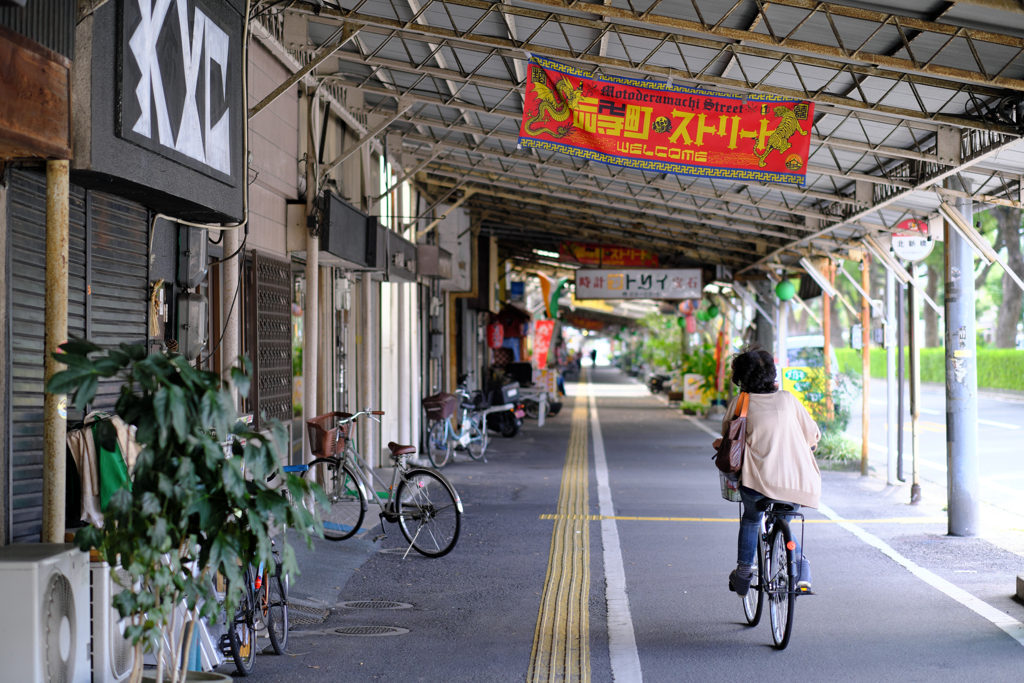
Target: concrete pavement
[[896, 599]]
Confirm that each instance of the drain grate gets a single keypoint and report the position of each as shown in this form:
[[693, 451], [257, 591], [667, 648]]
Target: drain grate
[[374, 604], [302, 615], [369, 631]]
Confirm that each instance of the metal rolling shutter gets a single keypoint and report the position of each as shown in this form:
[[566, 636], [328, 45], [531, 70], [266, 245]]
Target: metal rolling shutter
[[271, 335], [119, 279], [27, 277]]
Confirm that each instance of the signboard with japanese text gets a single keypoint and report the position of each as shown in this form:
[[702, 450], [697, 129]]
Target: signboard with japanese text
[[665, 128], [652, 283], [607, 255], [911, 242]]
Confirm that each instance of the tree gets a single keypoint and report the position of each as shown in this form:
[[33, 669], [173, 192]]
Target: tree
[[1009, 221]]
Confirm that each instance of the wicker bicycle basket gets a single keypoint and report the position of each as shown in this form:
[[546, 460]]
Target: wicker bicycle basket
[[440, 406], [326, 435]]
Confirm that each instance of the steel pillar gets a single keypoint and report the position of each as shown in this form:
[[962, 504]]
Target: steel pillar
[[865, 319], [891, 398], [56, 322], [311, 311], [961, 381]]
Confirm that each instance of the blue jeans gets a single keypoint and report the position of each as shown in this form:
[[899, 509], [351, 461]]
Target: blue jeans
[[750, 524]]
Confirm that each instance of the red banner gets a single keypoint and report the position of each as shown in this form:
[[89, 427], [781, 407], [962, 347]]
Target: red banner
[[603, 255], [666, 128], [543, 329]]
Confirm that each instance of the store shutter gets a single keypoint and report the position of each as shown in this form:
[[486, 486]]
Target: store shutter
[[119, 277], [107, 255], [271, 335], [27, 277]]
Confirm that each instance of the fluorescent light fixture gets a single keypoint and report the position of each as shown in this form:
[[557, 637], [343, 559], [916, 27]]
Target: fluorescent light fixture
[[549, 254], [902, 275], [750, 298], [822, 281], [978, 243]]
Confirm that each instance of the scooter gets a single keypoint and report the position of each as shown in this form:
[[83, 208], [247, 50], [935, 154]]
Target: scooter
[[656, 382]]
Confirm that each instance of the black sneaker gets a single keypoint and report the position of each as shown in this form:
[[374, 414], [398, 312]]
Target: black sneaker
[[739, 585]]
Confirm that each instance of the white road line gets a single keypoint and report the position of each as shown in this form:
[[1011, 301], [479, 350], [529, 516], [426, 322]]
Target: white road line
[[993, 423], [697, 421], [625, 660], [1011, 626]]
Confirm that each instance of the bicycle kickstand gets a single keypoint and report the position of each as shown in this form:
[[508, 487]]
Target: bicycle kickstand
[[383, 530]]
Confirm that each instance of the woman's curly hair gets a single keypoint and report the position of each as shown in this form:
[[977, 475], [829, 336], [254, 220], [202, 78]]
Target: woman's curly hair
[[754, 370]]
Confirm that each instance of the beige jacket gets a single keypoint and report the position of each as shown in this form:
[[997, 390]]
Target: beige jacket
[[778, 461]]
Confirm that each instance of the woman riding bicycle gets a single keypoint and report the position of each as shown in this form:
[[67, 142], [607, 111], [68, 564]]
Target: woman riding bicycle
[[778, 462]]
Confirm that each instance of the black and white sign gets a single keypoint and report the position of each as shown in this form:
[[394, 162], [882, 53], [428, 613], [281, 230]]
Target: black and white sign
[[180, 95]]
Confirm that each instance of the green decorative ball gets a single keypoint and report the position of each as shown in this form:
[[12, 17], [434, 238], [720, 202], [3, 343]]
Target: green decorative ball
[[785, 290], [712, 312], [681, 321], [701, 315]]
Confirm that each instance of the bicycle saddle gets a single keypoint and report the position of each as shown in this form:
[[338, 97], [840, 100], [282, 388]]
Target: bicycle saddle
[[398, 449], [780, 505]]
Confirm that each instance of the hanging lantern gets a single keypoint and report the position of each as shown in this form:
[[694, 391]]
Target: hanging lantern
[[712, 312], [495, 335], [785, 290], [681, 321]]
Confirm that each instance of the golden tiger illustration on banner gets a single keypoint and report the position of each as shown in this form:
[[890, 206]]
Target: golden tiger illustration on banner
[[665, 128]]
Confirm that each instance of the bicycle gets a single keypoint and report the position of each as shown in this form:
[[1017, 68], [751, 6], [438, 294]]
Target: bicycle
[[420, 500], [776, 572], [239, 642], [271, 592], [473, 436]]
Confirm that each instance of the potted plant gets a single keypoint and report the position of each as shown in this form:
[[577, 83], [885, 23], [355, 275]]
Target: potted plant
[[192, 511]]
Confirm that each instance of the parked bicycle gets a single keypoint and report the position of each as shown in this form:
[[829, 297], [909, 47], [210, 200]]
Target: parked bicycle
[[776, 572], [472, 437], [420, 500]]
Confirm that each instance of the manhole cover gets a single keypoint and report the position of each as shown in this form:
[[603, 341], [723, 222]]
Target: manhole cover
[[374, 604], [369, 631]]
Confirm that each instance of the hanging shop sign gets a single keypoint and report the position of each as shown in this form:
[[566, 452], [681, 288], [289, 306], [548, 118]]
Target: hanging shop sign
[[495, 335], [604, 255], [911, 242], [650, 283], [666, 128], [160, 116]]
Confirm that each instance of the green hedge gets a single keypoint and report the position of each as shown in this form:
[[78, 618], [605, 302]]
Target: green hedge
[[997, 368]]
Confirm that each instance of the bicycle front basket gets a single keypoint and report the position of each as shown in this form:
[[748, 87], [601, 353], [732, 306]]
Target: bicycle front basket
[[440, 406], [325, 434]]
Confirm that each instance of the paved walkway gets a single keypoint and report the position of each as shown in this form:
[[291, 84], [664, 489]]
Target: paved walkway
[[610, 517]]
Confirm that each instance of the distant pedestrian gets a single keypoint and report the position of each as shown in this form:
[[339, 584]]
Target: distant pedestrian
[[593, 357], [778, 461]]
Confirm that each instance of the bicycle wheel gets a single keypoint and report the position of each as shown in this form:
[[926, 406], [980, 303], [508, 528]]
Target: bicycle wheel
[[478, 446], [781, 595], [439, 446], [532, 409], [277, 610], [242, 632], [753, 601], [346, 500], [429, 512]]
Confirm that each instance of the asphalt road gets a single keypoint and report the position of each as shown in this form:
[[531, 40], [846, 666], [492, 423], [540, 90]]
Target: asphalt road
[[474, 613], [1000, 437]]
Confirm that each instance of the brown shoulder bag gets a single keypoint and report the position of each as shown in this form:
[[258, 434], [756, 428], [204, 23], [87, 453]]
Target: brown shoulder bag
[[729, 453]]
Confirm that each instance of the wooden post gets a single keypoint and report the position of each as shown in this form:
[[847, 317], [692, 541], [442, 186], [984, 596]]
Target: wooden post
[[865, 319]]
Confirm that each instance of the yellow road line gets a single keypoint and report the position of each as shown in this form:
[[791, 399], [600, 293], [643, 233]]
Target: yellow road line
[[561, 643], [885, 520]]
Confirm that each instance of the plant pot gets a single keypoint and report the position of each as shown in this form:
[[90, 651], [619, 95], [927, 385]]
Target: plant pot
[[191, 677]]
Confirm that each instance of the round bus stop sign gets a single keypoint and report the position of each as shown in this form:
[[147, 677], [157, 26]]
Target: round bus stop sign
[[911, 241]]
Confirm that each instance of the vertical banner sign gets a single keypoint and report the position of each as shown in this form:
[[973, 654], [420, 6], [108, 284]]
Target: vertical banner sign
[[543, 329], [666, 128]]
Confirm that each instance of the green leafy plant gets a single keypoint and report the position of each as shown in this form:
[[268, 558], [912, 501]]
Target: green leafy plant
[[845, 389], [192, 511], [838, 447], [691, 408]]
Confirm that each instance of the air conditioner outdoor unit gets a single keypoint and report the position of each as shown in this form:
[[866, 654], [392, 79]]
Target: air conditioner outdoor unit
[[112, 653], [44, 633]]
